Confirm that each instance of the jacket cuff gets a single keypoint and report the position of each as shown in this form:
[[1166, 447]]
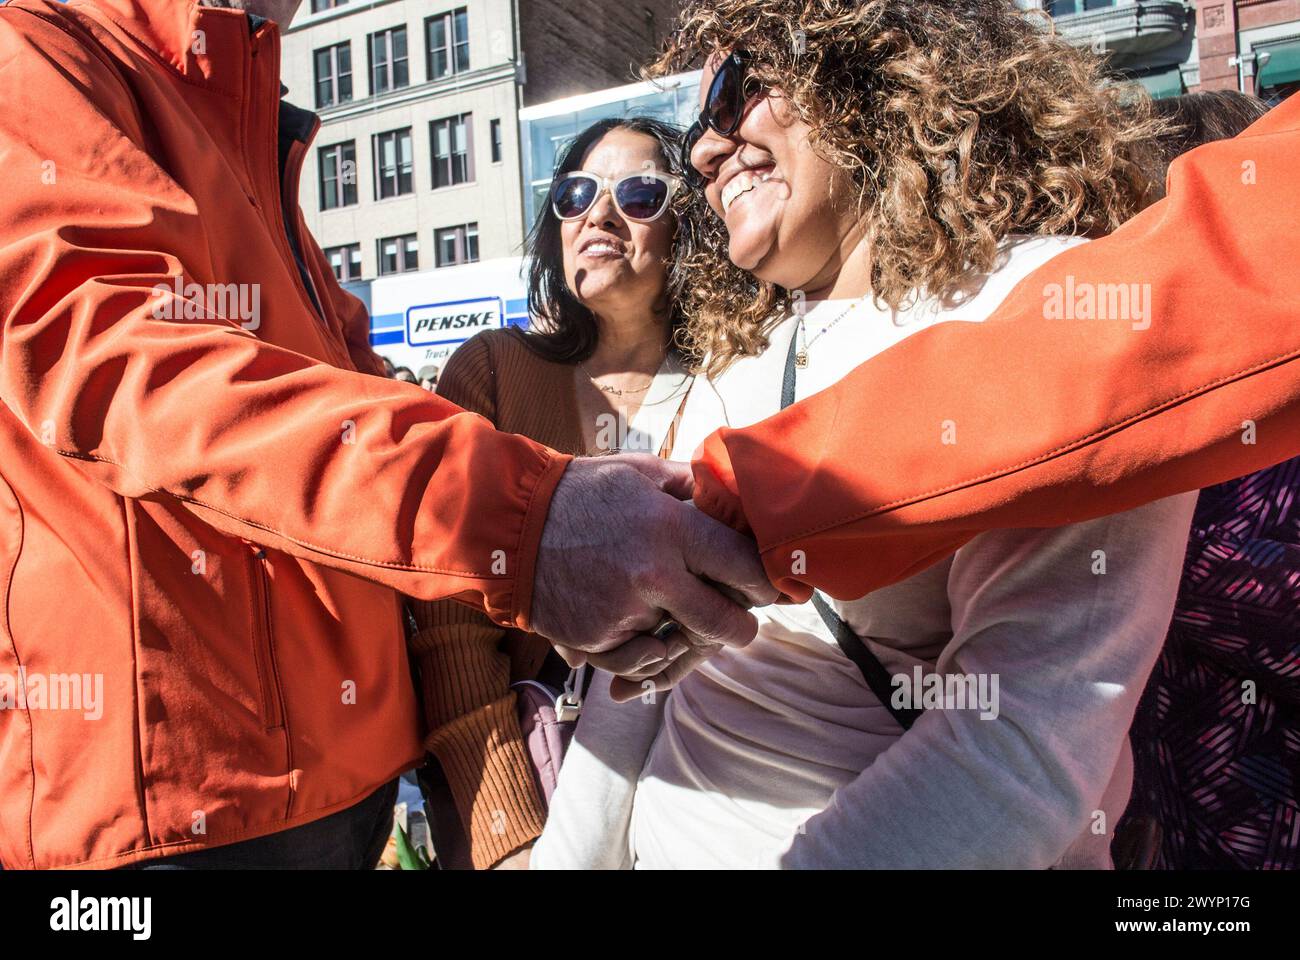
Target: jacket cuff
[[717, 492], [482, 754], [530, 539]]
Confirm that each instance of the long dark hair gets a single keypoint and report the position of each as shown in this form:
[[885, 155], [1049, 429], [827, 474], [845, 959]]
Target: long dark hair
[[1196, 119], [567, 331]]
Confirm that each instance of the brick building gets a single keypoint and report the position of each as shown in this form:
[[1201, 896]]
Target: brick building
[[1177, 46], [1250, 45], [582, 46]]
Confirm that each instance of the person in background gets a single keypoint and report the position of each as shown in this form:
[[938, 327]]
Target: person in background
[[429, 378], [1216, 732], [1196, 119], [600, 372], [405, 375]]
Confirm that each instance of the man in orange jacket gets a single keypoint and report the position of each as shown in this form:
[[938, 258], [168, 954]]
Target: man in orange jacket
[[210, 496]]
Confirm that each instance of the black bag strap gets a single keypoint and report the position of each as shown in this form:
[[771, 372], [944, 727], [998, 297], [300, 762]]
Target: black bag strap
[[873, 671]]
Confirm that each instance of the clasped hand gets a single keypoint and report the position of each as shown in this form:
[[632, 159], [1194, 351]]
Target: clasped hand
[[623, 549]]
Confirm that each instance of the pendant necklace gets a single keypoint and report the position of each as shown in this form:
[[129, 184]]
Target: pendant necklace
[[801, 358], [614, 391]]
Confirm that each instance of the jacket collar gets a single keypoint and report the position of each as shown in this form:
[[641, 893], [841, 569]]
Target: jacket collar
[[207, 46]]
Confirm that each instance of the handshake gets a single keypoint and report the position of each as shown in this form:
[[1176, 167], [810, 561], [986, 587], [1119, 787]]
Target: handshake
[[632, 579]]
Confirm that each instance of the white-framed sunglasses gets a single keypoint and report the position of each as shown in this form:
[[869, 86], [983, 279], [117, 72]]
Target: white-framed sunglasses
[[641, 197]]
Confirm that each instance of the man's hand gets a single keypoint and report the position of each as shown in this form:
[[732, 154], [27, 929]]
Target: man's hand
[[621, 550]]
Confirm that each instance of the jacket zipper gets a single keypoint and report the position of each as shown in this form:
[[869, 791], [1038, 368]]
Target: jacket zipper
[[331, 340], [268, 677]]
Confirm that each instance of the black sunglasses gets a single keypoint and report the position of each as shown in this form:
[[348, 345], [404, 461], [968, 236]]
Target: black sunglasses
[[724, 108]]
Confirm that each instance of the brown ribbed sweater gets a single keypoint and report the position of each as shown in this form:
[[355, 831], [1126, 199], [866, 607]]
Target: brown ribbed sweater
[[466, 662]]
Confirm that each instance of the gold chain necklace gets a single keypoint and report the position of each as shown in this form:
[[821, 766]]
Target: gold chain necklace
[[801, 358], [614, 391]]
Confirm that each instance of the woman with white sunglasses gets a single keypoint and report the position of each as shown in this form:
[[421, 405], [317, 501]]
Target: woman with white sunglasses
[[599, 373]]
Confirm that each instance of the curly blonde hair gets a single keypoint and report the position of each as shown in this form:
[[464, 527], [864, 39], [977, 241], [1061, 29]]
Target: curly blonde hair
[[959, 121]]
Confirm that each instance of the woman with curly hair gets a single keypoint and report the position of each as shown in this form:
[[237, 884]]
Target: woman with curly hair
[[874, 169]]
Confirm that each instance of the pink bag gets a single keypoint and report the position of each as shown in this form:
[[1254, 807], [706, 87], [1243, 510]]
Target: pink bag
[[547, 718]]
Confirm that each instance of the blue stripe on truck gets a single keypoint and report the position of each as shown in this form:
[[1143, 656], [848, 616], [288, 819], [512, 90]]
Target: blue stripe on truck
[[391, 327]]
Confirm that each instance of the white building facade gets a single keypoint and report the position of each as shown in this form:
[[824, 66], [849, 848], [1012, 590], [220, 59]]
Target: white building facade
[[416, 165]]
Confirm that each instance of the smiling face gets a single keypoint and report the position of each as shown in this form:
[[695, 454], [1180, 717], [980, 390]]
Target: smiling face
[[788, 211], [612, 264]]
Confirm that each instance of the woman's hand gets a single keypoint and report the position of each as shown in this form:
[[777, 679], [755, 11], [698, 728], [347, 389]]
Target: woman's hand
[[643, 655], [685, 653]]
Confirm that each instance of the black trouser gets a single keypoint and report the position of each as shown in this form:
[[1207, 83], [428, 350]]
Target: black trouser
[[352, 839]]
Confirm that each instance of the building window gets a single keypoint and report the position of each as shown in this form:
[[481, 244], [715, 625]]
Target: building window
[[334, 75], [399, 254], [455, 245], [345, 261], [447, 41], [393, 163], [496, 141], [1063, 8], [338, 175], [451, 143], [318, 5], [388, 67]]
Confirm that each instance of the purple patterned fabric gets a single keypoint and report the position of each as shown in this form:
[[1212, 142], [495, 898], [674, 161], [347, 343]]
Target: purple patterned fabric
[[1220, 773]]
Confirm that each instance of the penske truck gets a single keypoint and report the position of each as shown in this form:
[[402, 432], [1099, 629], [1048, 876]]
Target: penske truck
[[417, 320]]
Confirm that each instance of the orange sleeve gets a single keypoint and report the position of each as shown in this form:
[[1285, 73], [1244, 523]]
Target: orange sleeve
[[469, 708], [1032, 419], [257, 440]]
